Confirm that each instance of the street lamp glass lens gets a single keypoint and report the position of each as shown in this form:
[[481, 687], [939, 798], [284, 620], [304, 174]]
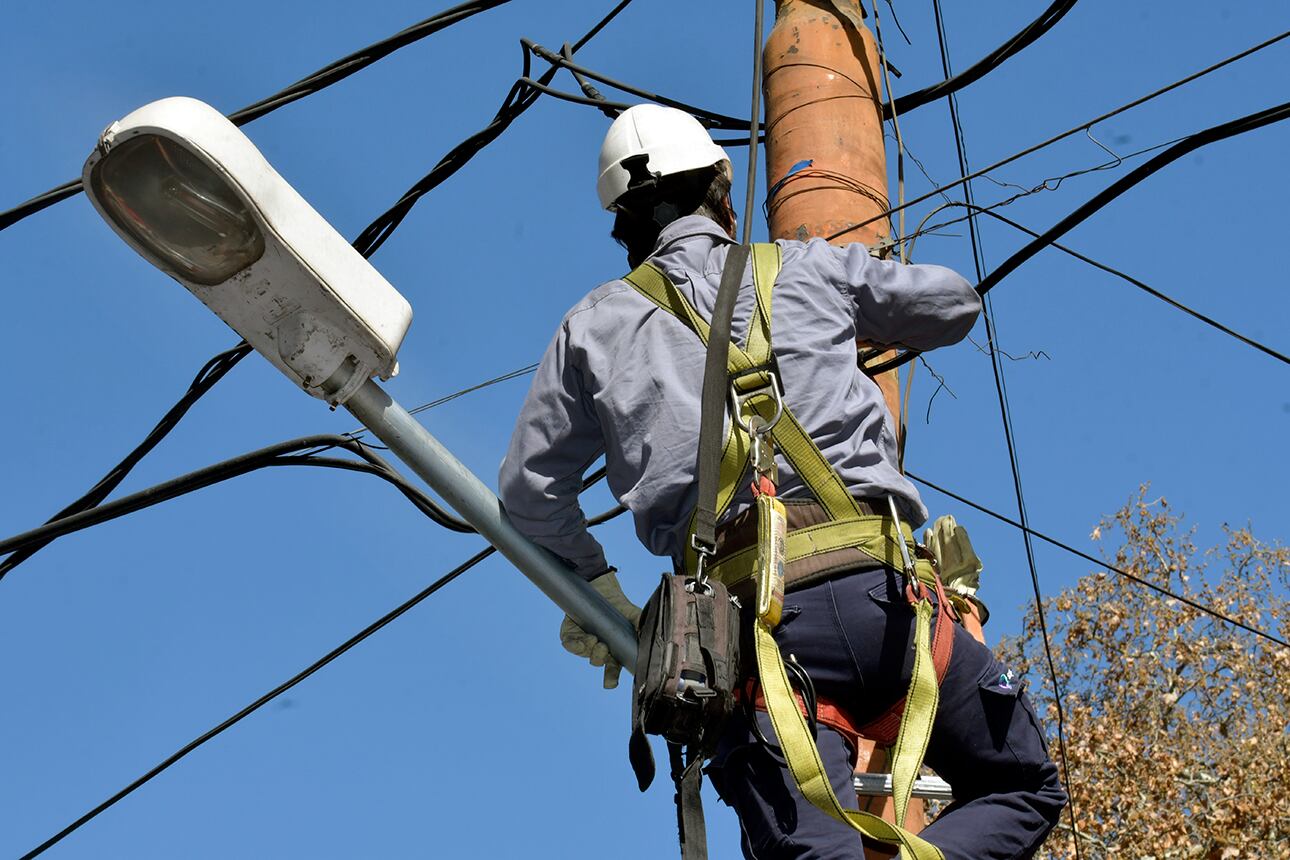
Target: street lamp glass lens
[[178, 208]]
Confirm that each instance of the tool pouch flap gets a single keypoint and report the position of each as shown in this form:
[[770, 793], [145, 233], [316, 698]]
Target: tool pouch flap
[[687, 668]]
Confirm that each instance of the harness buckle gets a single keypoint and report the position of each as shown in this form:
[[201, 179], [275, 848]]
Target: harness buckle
[[771, 388]]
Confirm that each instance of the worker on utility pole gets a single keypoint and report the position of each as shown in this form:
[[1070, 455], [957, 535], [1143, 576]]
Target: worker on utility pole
[[622, 378]]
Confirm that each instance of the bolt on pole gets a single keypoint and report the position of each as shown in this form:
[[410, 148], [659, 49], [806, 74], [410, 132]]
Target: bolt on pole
[[480, 507]]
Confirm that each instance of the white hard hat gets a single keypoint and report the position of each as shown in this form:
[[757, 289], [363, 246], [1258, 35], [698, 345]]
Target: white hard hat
[[671, 139]]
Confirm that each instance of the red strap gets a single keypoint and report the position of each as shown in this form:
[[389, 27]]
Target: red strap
[[886, 727]]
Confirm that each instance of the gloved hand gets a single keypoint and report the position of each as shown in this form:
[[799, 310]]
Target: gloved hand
[[578, 641], [959, 565]]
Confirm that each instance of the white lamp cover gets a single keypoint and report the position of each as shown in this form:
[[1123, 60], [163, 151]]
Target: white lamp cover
[[300, 294]]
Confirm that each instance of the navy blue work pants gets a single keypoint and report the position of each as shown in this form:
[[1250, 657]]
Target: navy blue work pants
[[854, 635]]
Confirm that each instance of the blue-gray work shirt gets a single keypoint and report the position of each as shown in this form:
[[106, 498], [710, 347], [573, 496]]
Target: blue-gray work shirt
[[623, 378]]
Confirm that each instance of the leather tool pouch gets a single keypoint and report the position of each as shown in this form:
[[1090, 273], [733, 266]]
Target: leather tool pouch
[[687, 669]]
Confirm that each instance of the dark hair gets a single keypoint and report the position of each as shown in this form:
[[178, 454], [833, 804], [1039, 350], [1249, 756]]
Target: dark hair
[[642, 215]]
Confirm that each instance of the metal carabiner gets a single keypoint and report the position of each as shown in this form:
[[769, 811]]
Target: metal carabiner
[[739, 398], [912, 583], [703, 552]]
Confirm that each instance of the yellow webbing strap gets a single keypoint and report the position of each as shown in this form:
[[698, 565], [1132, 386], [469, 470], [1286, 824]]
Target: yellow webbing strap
[[804, 758], [870, 534]]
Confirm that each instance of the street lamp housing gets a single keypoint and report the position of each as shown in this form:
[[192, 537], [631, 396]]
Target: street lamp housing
[[189, 192]]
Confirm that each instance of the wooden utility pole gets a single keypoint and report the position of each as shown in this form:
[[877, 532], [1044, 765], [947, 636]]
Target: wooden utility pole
[[826, 166], [826, 169]]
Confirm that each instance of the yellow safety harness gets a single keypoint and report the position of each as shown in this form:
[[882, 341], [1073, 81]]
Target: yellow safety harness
[[754, 391]]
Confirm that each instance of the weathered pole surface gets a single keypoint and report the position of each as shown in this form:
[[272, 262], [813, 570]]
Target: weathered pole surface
[[824, 106], [826, 169]]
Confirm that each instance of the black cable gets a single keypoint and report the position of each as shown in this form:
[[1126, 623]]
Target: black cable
[[381, 229], [261, 701], [211, 372], [303, 451], [518, 99], [1005, 413], [278, 454], [1056, 138], [566, 52], [991, 61], [1148, 289], [1242, 125], [1164, 592], [710, 119], [754, 118], [319, 80]]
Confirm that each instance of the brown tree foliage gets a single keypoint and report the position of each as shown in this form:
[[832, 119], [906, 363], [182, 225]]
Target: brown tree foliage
[[1176, 723]]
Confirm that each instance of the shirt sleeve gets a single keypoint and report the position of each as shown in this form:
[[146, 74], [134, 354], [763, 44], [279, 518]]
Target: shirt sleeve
[[556, 438], [918, 306]]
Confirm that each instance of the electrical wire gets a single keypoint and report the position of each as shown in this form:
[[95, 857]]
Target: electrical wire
[[1148, 289], [319, 80], [1075, 130], [303, 451], [1164, 592], [991, 61], [1233, 128], [754, 118], [260, 702], [902, 414], [327, 658], [366, 244], [210, 373], [1005, 413], [291, 452], [519, 99], [710, 119]]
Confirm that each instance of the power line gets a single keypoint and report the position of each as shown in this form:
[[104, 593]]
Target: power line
[[327, 658], [1076, 129], [991, 61], [710, 119], [211, 372], [303, 451], [754, 117], [1005, 413], [1164, 592], [519, 99], [367, 243], [1148, 289], [288, 453], [1233, 128], [260, 702], [319, 80]]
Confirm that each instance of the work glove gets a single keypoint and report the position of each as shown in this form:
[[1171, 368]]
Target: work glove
[[959, 565], [578, 641]]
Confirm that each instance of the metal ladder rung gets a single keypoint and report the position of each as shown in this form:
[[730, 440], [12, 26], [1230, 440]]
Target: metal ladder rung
[[879, 785]]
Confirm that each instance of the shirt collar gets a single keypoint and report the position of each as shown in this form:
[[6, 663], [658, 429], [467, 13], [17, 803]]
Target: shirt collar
[[686, 227]]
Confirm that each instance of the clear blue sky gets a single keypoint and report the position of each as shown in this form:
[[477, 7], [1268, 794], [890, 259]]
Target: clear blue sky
[[463, 729]]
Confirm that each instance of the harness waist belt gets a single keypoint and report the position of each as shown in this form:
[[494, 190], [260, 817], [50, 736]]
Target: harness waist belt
[[818, 546]]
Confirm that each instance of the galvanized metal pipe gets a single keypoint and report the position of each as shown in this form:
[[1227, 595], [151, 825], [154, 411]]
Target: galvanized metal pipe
[[480, 507]]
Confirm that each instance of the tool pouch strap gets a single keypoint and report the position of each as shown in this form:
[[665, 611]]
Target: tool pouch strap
[[687, 668]]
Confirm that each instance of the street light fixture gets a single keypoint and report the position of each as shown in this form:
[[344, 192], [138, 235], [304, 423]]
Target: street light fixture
[[189, 191]]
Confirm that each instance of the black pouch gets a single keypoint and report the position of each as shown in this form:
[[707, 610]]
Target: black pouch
[[687, 670]]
